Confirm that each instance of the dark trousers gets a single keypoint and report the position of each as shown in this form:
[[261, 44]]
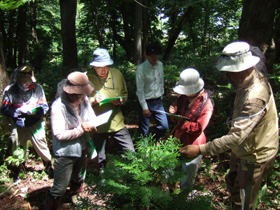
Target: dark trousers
[[244, 181], [156, 108], [121, 139], [67, 170]]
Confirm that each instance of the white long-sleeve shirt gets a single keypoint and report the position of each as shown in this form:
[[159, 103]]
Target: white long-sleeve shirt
[[149, 82]]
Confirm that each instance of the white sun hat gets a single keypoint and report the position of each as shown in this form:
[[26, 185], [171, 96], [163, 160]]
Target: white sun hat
[[237, 57], [101, 58], [190, 82]]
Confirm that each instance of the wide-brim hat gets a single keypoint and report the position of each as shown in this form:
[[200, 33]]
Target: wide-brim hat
[[101, 58], [190, 82], [78, 83], [236, 57], [189, 89]]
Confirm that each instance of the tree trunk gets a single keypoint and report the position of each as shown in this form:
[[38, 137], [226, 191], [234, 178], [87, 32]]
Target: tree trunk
[[10, 43], [277, 35], [21, 35], [138, 33], [256, 26], [68, 32], [37, 55], [175, 31], [4, 79]]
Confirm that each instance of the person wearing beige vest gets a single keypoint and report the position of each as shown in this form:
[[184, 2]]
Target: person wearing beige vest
[[253, 135]]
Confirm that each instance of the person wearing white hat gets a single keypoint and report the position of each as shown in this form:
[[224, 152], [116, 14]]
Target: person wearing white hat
[[195, 106], [109, 83], [253, 135]]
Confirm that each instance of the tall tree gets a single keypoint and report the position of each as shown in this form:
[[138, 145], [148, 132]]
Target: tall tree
[[4, 79], [21, 34], [68, 10], [257, 25], [138, 31]]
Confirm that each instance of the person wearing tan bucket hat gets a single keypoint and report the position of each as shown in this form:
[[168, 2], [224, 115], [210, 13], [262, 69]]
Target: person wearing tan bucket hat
[[72, 121], [25, 105], [195, 106], [253, 135]]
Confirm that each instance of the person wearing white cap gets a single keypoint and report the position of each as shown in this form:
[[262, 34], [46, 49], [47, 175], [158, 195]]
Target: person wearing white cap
[[109, 83], [253, 135], [195, 105]]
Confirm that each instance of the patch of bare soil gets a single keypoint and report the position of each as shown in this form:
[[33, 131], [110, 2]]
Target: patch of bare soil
[[30, 193]]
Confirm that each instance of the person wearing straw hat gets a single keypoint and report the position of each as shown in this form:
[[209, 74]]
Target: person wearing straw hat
[[150, 90], [25, 104], [253, 135], [195, 106], [72, 120], [109, 84]]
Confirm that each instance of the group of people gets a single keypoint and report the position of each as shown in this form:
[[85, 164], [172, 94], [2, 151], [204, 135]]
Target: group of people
[[252, 138]]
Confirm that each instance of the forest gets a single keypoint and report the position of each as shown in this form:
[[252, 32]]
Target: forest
[[57, 37]]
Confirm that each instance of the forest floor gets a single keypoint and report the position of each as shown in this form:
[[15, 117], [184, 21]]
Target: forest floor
[[30, 193]]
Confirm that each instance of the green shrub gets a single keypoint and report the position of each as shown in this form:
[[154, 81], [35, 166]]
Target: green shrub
[[144, 179]]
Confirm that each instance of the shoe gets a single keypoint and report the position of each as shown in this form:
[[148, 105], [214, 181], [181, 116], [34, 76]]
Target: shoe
[[76, 189], [52, 203]]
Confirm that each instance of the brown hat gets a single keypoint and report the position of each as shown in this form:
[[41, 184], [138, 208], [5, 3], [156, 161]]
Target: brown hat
[[25, 70], [78, 83]]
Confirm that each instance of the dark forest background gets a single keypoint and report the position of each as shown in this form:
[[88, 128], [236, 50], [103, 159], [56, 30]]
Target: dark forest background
[[58, 36]]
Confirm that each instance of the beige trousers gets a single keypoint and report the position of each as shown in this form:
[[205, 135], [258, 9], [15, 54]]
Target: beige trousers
[[37, 135], [244, 181]]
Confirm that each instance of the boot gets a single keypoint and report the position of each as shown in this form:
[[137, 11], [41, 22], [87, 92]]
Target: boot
[[52, 203]]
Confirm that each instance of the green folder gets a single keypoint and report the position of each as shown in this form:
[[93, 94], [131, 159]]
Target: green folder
[[107, 100]]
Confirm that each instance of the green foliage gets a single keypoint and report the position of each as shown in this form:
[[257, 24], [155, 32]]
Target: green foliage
[[143, 179], [268, 195], [17, 158], [4, 174], [11, 4]]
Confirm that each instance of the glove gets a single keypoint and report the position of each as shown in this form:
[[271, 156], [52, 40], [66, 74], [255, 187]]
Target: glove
[[17, 113], [20, 122]]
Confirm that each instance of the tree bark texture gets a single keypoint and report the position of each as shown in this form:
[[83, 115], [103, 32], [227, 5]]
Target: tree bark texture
[[176, 30], [4, 79], [68, 32], [257, 26], [138, 32], [21, 35]]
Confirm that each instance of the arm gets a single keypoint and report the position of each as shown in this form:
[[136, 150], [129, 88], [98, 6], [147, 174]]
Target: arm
[[197, 127], [59, 127], [42, 101], [239, 131], [123, 92], [7, 107], [140, 88]]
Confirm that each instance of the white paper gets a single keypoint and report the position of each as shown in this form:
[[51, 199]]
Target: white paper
[[102, 118]]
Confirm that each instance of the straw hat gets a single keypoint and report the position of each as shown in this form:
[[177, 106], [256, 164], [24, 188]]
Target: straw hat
[[78, 83], [101, 58], [237, 57], [190, 82]]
